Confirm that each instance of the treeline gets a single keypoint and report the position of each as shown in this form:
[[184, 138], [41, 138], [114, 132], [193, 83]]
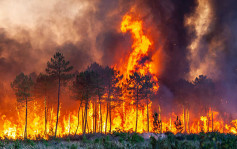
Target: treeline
[[97, 85]]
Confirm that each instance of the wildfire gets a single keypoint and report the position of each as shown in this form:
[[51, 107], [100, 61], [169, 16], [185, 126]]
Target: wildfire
[[123, 116]]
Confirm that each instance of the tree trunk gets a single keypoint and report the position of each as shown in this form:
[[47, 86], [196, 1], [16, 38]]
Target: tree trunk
[[25, 135], [100, 117], [57, 107], [208, 121], [69, 123], [107, 111], [85, 118], [45, 116], [82, 123], [78, 119], [147, 117], [110, 118], [98, 93], [212, 122], [184, 120], [94, 117], [136, 111]]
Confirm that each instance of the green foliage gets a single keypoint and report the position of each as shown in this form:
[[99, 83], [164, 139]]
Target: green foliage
[[193, 137], [2, 144], [84, 139], [45, 142], [30, 142], [73, 146], [96, 140], [213, 140], [122, 135], [68, 139], [137, 138], [17, 144]]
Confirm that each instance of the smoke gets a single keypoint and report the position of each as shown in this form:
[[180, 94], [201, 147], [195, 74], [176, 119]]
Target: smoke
[[190, 38]]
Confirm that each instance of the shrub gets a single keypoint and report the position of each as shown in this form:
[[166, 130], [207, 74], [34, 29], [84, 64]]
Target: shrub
[[17, 144], [136, 138], [73, 146]]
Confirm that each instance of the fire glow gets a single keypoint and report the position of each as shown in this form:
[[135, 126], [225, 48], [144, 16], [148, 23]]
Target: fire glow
[[124, 116]]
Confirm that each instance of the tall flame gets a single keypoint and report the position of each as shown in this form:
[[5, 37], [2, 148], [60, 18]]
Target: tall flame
[[141, 45]]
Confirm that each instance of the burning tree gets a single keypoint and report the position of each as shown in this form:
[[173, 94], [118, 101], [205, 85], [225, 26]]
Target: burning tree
[[178, 125], [147, 91], [97, 75], [138, 87], [156, 123], [22, 85], [59, 69], [113, 91], [83, 91]]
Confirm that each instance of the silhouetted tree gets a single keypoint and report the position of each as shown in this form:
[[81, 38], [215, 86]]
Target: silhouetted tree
[[113, 91], [59, 69], [205, 90], [22, 85], [83, 91], [97, 73], [184, 93], [137, 87], [147, 92]]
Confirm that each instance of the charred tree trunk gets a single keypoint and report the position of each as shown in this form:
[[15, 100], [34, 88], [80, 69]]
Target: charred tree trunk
[[100, 116], [136, 111], [98, 93], [212, 122], [86, 107], [94, 117], [107, 111], [45, 116], [82, 124], [147, 116], [184, 121], [69, 123], [208, 121], [110, 117], [25, 135], [78, 119], [57, 107]]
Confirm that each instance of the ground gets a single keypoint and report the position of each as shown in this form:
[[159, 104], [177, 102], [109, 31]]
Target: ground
[[124, 140]]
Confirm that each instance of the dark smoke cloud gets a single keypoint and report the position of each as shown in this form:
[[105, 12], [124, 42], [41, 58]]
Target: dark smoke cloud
[[224, 33]]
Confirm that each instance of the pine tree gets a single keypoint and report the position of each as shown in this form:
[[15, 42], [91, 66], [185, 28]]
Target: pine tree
[[113, 91], [97, 73], [22, 85], [59, 69], [138, 87]]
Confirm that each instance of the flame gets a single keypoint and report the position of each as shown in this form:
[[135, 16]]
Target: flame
[[141, 45], [122, 118]]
